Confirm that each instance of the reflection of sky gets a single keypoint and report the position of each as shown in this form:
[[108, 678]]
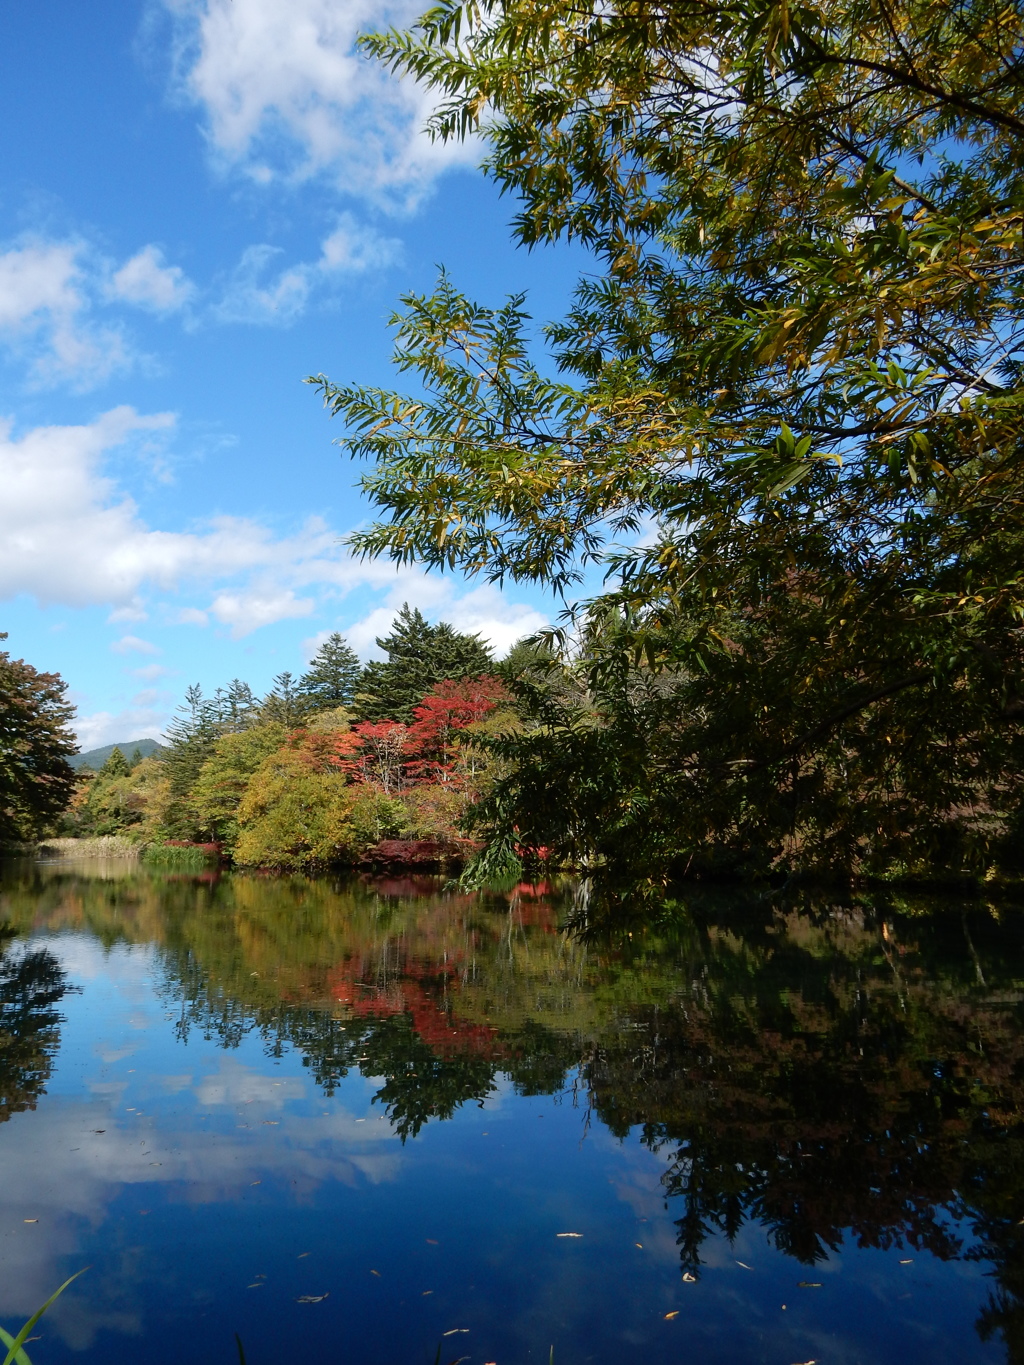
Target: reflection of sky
[[209, 1190]]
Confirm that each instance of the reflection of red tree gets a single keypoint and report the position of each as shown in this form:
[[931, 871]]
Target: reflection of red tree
[[421, 989], [530, 910]]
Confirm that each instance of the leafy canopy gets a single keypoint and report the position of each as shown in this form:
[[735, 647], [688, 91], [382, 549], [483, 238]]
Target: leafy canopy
[[36, 780], [784, 413]]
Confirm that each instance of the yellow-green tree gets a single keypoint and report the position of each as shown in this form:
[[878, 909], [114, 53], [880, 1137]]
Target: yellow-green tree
[[786, 424], [214, 798]]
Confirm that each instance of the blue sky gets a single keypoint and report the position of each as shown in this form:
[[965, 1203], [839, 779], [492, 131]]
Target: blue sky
[[202, 202]]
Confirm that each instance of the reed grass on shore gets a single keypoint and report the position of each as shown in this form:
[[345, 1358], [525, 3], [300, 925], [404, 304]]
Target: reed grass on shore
[[104, 846]]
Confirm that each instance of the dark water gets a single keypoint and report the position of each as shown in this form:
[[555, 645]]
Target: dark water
[[778, 1131]]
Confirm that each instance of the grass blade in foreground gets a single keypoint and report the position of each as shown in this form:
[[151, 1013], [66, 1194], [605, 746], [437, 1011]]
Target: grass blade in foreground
[[15, 1355]]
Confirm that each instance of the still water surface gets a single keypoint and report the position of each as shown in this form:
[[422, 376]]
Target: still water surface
[[351, 1120]]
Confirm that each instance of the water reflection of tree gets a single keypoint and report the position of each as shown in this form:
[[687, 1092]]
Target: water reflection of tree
[[31, 984], [833, 1073]]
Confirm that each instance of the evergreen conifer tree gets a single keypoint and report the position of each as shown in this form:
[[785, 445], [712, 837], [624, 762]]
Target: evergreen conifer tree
[[333, 675], [116, 765], [190, 738], [285, 702], [419, 657], [237, 707]]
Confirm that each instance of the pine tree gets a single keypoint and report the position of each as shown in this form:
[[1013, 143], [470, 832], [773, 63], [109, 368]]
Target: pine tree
[[284, 703], [236, 706], [419, 657], [190, 738], [333, 675], [116, 765]]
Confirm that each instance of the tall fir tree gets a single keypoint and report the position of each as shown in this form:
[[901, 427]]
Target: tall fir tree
[[189, 740], [419, 657], [116, 765], [284, 703], [332, 678]]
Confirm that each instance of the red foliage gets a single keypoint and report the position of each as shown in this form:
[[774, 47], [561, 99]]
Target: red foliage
[[419, 852], [328, 750], [449, 708], [387, 754]]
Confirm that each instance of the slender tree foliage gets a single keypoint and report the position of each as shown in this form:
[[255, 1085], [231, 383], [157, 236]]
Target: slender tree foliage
[[787, 423]]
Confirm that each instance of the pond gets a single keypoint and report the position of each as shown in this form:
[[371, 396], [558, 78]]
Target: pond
[[369, 1121]]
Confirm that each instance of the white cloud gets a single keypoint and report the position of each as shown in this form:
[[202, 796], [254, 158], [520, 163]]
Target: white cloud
[[42, 300], [354, 247], [251, 297], [501, 623], [145, 280], [36, 279], [246, 611], [134, 611], [151, 672], [255, 294], [132, 643], [482, 611], [286, 94], [117, 727], [71, 535]]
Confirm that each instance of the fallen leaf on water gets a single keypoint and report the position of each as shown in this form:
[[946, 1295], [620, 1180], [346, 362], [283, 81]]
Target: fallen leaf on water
[[806, 1362], [673, 1314], [30, 1220], [301, 1254], [568, 1234], [688, 1278], [311, 1298], [908, 1261], [255, 1182], [455, 1331], [744, 1265], [99, 1130], [257, 1285], [639, 1244], [375, 1272], [270, 1123], [143, 1212], [809, 1284], [431, 1242]]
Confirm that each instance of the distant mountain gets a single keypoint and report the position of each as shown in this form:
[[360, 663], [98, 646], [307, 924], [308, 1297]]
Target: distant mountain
[[96, 758]]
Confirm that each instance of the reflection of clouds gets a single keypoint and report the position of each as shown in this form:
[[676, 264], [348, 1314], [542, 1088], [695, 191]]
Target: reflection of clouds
[[236, 1084], [109, 1055], [127, 966], [58, 1169], [107, 1089], [174, 1084]]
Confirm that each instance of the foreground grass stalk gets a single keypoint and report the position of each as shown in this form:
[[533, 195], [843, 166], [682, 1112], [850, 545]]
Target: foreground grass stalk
[[15, 1353]]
